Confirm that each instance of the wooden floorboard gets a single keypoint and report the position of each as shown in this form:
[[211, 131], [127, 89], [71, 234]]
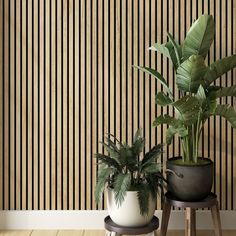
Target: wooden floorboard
[[70, 233], [15, 232], [98, 233], [44, 233]]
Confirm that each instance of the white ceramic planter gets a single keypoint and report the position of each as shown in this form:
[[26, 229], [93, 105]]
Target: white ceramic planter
[[128, 214]]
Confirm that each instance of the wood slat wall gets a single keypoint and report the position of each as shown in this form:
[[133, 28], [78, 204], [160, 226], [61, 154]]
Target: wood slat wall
[[66, 79]]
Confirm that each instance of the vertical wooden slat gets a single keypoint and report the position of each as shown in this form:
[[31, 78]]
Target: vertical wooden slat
[[229, 100], [18, 118], [159, 68], [1, 106], [123, 69], [76, 107], [53, 118], [59, 105], [141, 63], [118, 70], [82, 107], [88, 106], [129, 73], [147, 77], [152, 40], [94, 97], [135, 62], [6, 104], [23, 106], [71, 105], [65, 105], [47, 107], [12, 106], [217, 133], [41, 105], [224, 100], [29, 101], [35, 105]]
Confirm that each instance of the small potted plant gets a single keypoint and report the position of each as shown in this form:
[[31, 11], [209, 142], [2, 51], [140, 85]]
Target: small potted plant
[[131, 183], [197, 102]]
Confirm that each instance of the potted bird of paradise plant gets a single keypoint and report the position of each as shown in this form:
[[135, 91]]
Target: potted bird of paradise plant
[[199, 100]]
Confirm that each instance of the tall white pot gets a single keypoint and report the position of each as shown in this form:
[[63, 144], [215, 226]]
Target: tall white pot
[[128, 214]]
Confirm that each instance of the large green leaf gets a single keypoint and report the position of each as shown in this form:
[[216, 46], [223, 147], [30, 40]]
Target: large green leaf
[[190, 74], [227, 112], [199, 38], [177, 49], [164, 119], [187, 109], [218, 68], [167, 50], [160, 48], [200, 95], [158, 76], [162, 99], [172, 130], [227, 91]]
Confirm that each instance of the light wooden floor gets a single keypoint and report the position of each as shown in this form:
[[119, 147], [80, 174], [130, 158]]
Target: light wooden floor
[[97, 233]]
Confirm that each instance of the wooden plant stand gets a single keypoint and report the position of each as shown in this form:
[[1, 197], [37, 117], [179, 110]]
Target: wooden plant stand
[[190, 213], [113, 229]]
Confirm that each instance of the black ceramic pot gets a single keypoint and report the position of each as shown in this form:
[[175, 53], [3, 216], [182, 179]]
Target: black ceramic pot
[[189, 182]]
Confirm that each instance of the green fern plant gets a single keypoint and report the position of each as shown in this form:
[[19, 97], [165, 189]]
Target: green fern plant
[[122, 170], [199, 96]]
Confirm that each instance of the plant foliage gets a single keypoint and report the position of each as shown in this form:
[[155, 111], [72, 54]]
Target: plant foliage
[[123, 170], [194, 78]]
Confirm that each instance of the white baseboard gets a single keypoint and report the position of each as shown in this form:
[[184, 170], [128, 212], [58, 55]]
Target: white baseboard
[[94, 219]]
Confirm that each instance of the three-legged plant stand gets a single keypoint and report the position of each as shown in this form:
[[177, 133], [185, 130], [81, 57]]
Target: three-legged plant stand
[[190, 213], [113, 229]]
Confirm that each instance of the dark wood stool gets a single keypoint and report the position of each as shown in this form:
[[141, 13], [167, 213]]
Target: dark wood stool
[[117, 230], [190, 213]]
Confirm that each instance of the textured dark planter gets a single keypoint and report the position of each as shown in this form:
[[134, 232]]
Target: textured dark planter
[[189, 183]]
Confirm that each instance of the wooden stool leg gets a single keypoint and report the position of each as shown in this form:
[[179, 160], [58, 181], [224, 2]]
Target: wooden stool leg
[[216, 219], [165, 218], [190, 222]]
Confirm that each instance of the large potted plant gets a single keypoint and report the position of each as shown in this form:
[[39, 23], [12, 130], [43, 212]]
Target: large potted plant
[[131, 183], [197, 102]]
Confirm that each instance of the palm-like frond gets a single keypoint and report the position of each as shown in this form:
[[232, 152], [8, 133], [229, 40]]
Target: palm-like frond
[[122, 184], [143, 198], [108, 161], [138, 144], [103, 175], [152, 154], [150, 168]]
